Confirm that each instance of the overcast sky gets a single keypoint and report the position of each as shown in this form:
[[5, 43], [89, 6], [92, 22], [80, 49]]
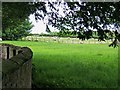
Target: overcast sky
[[39, 26]]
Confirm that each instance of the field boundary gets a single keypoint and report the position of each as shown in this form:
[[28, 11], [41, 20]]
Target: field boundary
[[65, 40]]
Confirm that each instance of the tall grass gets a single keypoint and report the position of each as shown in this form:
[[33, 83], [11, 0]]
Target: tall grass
[[73, 65]]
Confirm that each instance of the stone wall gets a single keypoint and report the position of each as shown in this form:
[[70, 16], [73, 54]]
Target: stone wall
[[16, 66]]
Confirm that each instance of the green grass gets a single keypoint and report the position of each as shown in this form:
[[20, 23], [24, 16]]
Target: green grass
[[73, 65]]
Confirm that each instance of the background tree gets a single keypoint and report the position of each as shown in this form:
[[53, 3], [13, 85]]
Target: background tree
[[15, 17], [79, 16], [21, 30]]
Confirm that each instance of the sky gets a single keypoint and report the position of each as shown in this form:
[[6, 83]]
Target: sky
[[39, 26]]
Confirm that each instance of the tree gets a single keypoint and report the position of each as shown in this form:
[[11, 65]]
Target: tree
[[13, 13], [15, 17], [81, 17], [21, 30], [85, 16], [0, 33]]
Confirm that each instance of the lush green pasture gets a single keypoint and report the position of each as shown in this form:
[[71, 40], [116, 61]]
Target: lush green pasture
[[73, 65]]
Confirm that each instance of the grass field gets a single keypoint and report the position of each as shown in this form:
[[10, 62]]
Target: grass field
[[73, 65]]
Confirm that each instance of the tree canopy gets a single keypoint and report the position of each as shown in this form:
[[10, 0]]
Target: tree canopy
[[82, 17]]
